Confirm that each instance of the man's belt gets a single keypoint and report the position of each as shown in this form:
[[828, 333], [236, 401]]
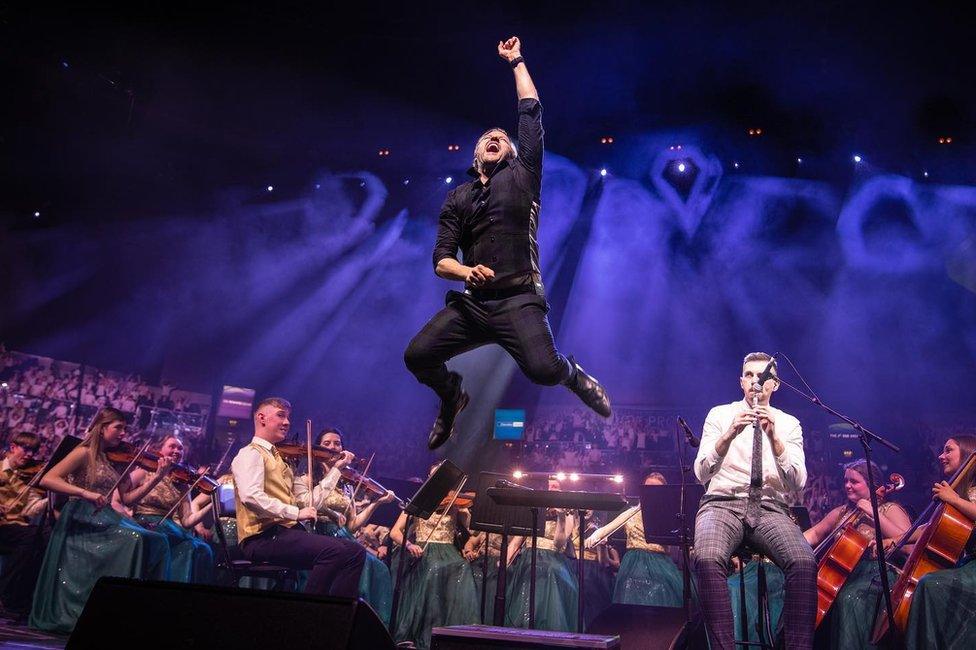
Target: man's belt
[[499, 294]]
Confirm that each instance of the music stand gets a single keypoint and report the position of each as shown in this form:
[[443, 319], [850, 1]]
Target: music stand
[[423, 503], [667, 511], [489, 517]]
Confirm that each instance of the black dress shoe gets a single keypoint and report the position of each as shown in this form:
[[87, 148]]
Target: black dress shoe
[[589, 390], [444, 424]]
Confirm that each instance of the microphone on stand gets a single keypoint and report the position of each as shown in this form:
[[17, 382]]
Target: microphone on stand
[[767, 373], [505, 483], [690, 436]]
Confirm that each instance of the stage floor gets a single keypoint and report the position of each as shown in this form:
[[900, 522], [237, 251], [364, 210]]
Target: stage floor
[[20, 637]]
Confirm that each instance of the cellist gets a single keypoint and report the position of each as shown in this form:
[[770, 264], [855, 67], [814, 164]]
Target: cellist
[[941, 613], [849, 620]]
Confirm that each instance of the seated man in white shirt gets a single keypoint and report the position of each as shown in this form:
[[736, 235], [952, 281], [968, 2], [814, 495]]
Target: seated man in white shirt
[[267, 514], [747, 500]]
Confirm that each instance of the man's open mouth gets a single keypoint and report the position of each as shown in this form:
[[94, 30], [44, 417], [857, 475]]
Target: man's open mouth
[[493, 147]]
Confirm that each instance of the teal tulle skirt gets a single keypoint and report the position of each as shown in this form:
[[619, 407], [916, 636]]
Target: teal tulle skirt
[[491, 585], [86, 545], [597, 589], [439, 591], [191, 558], [648, 578], [375, 583], [850, 619], [943, 613], [556, 592], [774, 588]]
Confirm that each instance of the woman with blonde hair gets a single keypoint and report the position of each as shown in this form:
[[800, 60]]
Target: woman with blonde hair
[[91, 539]]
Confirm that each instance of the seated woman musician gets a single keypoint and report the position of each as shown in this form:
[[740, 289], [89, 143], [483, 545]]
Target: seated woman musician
[[153, 495], [556, 586], [849, 620], [340, 517], [438, 586], [942, 606], [91, 539]]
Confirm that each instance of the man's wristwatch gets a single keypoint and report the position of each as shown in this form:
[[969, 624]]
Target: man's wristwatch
[[514, 62]]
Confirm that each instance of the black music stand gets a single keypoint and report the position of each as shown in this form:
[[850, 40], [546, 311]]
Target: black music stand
[[668, 511], [423, 503], [491, 518], [579, 501]]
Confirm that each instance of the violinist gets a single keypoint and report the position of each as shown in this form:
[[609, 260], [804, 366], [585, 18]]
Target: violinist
[[647, 576], [91, 539], [154, 495], [268, 512], [21, 543], [941, 615], [598, 578], [439, 589], [339, 517], [474, 552], [851, 616], [556, 585]]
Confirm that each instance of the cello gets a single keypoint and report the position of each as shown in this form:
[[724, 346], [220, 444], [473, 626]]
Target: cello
[[939, 547], [842, 549]]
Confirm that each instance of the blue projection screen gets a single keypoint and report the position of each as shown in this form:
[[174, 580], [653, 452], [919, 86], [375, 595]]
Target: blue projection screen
[[509, 424]]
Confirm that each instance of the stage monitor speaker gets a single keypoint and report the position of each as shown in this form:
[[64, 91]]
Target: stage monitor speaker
[[121, 612], [645, 626], [486, 637]]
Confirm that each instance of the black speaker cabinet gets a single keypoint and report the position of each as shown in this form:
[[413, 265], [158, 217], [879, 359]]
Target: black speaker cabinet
[[122, 611]]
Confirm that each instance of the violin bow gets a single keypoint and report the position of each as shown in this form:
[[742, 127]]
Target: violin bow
[[457, 493], [359, 484], [124, 474], [311, 467]]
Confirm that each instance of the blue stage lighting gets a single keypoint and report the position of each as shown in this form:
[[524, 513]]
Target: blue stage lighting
[[318, 186], [449, 180], [681, 168], [603, 172], [406, 181], [37, 214], [271, 188], [857, 158]]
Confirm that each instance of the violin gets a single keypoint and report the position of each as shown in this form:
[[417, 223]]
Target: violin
[[939, 547], [842, 549], [30, 469], [324, 454], [461, 500], [126, 452]]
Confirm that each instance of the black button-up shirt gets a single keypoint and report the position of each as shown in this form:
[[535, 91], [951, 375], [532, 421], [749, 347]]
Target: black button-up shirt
[[495, 223]]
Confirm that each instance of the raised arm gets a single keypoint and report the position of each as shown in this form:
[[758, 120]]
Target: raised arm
[[511, 50]]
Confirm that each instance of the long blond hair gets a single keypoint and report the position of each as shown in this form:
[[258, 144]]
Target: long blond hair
[[93, 436]]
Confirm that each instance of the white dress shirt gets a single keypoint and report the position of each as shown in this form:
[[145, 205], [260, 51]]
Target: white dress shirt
[[248, 470], [729, 476]]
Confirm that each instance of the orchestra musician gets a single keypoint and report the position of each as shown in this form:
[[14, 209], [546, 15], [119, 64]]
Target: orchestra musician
[[647, 576], [91, 539], [556, 585], [850, 618], [474, 552], [941, 615], [438, 588], [746, 499], [22, 542], [154, 495], [339, 517], [268, 512]]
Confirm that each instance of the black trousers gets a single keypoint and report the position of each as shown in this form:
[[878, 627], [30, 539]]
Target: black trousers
[[23, 550], [336, 564], [518, 324]]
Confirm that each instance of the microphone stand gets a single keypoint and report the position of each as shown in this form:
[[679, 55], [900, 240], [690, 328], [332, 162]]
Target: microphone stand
[[866, 437], [683, 527]]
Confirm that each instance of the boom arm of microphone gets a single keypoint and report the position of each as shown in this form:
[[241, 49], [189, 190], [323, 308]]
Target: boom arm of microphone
[[690, 436], [767, 373]]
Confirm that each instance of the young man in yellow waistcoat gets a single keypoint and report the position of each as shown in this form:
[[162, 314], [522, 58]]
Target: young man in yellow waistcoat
[[267, 515], [21, 542]]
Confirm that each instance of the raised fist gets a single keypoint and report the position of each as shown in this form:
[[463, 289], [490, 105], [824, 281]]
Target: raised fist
[[510, 49]]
